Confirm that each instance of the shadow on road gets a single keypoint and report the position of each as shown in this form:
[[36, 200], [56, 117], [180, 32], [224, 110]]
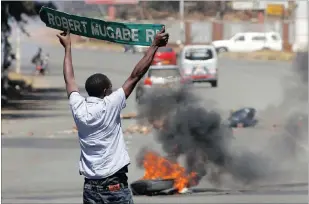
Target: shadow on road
[[45, 100], [17, 116], [40, 99], [39, 143], [51, 94]]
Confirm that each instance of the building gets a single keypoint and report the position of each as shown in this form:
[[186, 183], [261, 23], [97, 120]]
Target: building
[[301, 26]]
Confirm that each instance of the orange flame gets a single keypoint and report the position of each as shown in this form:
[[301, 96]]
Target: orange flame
[[157, 167]]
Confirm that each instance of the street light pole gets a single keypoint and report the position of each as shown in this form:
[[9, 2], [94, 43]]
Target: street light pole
[[181, 15], [17, 50]]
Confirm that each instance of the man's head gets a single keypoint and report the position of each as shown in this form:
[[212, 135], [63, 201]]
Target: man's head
[[98, 85]]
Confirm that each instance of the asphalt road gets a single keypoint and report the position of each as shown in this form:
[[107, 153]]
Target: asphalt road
[[40, 153]]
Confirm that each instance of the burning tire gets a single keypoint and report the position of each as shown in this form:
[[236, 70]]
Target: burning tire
[[151, 187]]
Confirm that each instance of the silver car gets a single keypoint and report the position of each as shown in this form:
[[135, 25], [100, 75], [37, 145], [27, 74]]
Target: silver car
[[200, 63], [158, 77]]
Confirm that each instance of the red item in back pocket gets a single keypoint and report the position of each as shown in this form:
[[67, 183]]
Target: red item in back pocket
[[114, 187]]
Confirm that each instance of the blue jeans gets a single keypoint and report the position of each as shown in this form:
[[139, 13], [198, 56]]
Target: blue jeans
[[112, 190]]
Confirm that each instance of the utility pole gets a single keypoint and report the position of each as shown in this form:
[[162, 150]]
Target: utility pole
[[181, 16], [17, 49], [222, 9], [265, 19]]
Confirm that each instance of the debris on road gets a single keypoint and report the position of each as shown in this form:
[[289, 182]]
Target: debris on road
[[136, 128], [244, 117], [185, 191], [128, 116], [275, 127], [72, 131]]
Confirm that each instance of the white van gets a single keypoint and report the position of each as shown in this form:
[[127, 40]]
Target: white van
[[199, 63], [249, 42]]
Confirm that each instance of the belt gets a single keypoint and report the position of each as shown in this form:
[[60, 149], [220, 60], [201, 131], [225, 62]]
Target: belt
[[113, 187]]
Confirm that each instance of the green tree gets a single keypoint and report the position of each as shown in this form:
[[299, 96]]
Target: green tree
[[13, 10]]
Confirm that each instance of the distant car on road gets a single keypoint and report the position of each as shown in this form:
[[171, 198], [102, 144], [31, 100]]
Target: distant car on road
[[199, 62], [165, 56], [249, 42], [160, 76]]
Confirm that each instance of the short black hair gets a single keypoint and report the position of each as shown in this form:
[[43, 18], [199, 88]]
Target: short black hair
[[96, 83]]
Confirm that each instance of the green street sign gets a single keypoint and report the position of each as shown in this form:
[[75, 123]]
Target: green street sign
[[123, 33]]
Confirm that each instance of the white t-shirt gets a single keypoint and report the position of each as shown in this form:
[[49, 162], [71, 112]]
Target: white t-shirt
[[103, 149]]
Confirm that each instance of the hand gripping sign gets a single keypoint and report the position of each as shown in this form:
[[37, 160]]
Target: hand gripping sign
[[123, 33]]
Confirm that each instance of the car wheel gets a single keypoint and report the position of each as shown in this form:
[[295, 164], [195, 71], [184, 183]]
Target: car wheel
[[222, 49], [214, 84]]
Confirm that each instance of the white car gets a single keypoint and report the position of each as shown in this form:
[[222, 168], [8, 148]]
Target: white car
[[199, 63], [160, 76], [249, 42]]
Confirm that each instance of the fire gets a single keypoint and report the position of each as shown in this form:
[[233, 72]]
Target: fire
[[157, 167]]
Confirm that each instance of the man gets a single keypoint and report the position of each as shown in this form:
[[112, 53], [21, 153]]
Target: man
[[40, 60], [37, 57], [104, 159]]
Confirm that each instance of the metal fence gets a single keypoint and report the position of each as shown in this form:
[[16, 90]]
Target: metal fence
[[201, 31]]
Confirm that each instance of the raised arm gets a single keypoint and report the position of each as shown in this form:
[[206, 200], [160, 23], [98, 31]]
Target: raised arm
[[143, 65], [68, 71]]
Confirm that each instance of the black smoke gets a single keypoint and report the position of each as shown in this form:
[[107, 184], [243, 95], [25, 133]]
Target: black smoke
[[292, 141], [193, 131], [186, 128]]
